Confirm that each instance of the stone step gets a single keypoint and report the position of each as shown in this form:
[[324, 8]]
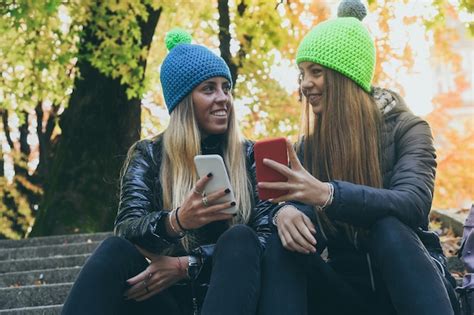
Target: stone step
[[35, 310], [34, 295], [47, 251], [42, 263], [35, 277], [55, 240]]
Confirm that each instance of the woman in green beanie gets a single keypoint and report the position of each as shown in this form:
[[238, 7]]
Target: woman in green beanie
[[176, 250], [352, 231]]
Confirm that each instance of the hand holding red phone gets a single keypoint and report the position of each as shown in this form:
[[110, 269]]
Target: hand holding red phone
[[300, 185]]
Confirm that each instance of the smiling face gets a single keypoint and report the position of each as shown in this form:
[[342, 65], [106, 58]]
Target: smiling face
[[312, 84], [212, 104]]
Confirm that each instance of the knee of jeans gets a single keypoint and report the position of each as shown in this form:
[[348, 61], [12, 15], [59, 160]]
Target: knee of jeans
[[115, 249], [114, 244], [238, 236], [390, 233]]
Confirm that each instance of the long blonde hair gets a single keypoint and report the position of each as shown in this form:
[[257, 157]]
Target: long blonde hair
[[343, 142], [181, 142]]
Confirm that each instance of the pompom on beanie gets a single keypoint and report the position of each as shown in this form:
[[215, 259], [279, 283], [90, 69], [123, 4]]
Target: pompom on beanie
[[342, 44], [186, 66]]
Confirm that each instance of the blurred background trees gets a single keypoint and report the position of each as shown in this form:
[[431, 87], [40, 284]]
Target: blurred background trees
[[80, 84]]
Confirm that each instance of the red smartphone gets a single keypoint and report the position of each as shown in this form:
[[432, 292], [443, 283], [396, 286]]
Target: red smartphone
[[274, 149]]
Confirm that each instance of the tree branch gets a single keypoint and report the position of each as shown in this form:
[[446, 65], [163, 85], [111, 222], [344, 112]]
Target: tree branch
[[6, 128], [224, 37]]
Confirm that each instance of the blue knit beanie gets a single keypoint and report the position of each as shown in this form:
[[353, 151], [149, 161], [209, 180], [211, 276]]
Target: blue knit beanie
[[186, 66]]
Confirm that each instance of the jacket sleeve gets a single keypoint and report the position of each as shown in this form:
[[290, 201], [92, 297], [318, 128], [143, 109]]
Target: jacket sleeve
[[409, 193], [138, 219], [260, 219]]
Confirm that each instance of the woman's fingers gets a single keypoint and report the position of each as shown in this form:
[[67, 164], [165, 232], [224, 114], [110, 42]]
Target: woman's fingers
[[296, 230], [133, 294], [211, 198], [140, 282], [153, 289], [142, 276], [218, 208], [291, 244], [287, 238], [136, 290], [307, 235], [309, 224], [280, 168], [286, 197], [201, 184], [146, 284], [299, 240], [274, 185], [145, 289], [293, 157]]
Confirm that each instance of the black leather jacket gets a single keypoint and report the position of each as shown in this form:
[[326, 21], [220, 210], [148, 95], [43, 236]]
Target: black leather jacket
[[141, 217]]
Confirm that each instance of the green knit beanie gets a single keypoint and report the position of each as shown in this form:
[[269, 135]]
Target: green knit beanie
[[342, 44]]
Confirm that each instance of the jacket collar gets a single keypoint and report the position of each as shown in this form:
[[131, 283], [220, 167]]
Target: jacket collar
[[213, 144]]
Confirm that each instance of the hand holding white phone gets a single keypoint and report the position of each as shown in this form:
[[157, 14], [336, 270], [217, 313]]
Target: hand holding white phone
[[214, 164]]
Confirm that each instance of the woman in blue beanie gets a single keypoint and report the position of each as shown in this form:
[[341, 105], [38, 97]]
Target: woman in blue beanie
[[172, 244], [362, 191]]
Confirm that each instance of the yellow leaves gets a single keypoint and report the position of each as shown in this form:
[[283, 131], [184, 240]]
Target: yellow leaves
[[455, 177], [443, 41], [15, 213], [462, 83], [407, 20], [117, 5], [385, 15], [407, 57]]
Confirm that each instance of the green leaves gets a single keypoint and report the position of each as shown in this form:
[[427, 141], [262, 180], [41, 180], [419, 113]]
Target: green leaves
[[38, 47], [117, 51]]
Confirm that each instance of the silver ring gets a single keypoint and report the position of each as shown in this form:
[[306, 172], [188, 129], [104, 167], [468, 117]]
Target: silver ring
[[205, 201], [148, 277], [197, 192], [147, 290]]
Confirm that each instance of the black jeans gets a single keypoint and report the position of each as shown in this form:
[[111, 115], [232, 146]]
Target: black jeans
[[234, 281], [405, 279]]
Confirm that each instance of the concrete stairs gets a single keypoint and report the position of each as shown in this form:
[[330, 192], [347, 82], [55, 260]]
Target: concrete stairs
[[36, 274]]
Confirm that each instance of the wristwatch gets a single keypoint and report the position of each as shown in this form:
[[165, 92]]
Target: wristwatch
[[194, 267]]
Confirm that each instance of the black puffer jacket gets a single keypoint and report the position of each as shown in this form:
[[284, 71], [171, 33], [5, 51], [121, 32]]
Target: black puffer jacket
[[141, 216], [408, 171]]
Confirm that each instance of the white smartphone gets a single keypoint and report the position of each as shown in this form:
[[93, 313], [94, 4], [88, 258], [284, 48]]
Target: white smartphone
[[214, 164]]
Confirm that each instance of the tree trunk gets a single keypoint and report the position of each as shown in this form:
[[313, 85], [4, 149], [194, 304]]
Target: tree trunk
[[46, 144], [225, 37], [98, 127]]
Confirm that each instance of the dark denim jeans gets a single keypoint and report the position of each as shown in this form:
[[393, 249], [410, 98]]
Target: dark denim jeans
[[234, 281], [405, 279]]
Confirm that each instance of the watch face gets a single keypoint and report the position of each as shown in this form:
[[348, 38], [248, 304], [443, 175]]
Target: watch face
[[192, 260], [193, 267]]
